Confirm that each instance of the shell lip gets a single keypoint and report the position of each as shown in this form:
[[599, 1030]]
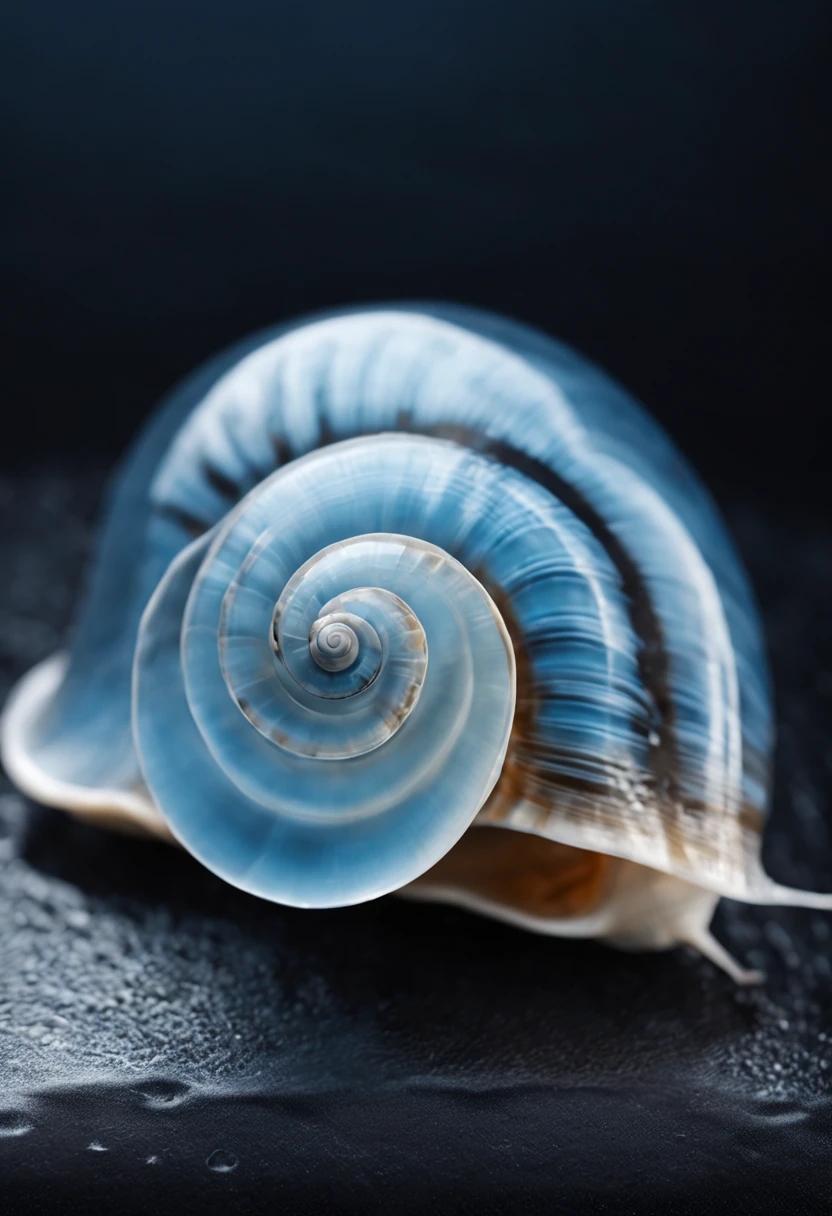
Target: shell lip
[[30, 698]]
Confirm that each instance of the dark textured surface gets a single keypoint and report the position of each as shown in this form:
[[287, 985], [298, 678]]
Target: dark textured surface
[[169, 1044]]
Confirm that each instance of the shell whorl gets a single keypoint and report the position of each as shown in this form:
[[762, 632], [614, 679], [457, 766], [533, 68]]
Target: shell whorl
[[326, 786], [325, 641]]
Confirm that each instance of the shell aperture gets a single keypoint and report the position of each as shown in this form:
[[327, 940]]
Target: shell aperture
[[322, 566]]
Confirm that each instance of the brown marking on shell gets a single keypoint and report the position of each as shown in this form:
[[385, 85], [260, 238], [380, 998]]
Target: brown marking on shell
[[653, 660], [751, 819], [282, 450], [397, 713], [277, 736], [223, 485], [326, 435], [183, 519], [415, 639], [513, 781], [694, 835], [528, 873], [616, 800]]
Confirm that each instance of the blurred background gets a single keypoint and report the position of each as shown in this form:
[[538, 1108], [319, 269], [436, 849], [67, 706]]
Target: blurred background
[[645, 180]]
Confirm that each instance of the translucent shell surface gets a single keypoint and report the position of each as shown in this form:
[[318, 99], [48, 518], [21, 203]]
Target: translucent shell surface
[[330, 561], [306, 785]]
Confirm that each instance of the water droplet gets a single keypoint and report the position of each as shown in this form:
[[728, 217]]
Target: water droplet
[[222, 1161], [163, 1094], [783, 1024], [154, 1160]]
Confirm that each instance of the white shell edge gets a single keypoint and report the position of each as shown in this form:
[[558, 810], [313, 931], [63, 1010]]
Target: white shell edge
[[122, 810]]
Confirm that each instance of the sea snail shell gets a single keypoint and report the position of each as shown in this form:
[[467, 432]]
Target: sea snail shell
[[375, 588]]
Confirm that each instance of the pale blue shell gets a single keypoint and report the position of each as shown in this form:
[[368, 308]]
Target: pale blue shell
[[643, 724]]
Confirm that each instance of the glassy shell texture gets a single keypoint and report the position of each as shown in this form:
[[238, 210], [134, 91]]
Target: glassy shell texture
[[373, 578]]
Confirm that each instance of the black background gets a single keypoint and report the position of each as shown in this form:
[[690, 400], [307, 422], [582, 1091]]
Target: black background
[[643, 179]]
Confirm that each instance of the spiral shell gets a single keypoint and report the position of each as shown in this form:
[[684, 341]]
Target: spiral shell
[[309, 785], [388, 574]]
